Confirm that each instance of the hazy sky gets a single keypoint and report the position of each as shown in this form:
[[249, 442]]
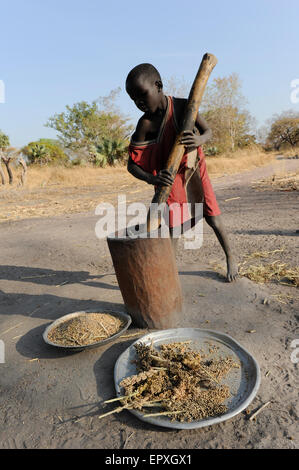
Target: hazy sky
[[55, 53]]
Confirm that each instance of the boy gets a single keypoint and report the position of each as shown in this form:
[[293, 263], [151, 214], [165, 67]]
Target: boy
[[152, 142]]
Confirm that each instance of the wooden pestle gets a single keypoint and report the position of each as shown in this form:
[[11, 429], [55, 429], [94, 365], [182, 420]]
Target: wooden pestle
[[195, 96]]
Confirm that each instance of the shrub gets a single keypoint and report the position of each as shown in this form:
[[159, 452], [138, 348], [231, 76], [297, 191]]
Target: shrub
[[45, 152]]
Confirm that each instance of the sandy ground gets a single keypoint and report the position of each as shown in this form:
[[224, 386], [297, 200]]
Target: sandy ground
[[54, 266]]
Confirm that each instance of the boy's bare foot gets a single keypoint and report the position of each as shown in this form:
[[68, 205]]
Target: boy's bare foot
[[232, 270]]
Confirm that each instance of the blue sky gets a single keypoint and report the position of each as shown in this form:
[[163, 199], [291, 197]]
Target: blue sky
[[55, 53]]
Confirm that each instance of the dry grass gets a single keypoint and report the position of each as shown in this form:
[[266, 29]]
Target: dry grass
[[239, 161], [44, 177], [51, 191], [54, 191], [272, 271], [280, 182]]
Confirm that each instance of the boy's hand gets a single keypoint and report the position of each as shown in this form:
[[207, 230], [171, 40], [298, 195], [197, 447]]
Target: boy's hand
[[189, 139], [163, 178]]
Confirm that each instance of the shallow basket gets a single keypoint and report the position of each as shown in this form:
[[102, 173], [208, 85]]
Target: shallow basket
[[243, 382], [123, 316]]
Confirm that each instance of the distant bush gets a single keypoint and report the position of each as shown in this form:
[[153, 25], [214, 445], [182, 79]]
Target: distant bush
[[45, 152], [96, 131], [108, 152], [4, 140], [211, 151], [78, 162]]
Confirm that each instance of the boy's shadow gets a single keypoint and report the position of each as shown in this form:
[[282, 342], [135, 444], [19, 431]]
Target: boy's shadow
[[50, 277], [205, 274], [286, 233]]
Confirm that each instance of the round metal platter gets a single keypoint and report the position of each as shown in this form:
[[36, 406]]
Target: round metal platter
[[123, 316], [243, 382]]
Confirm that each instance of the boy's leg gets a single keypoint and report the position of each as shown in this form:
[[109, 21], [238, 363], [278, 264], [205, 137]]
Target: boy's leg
[[216, 223]]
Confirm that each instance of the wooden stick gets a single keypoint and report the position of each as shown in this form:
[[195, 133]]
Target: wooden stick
[[163, 413], [105, 329], [122, 397], [173, 162], [116, 410], [127, 439], [15, 326], [259, 410], [232, 199]]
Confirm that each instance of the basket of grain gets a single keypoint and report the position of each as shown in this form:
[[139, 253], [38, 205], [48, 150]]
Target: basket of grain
[[86, 329]]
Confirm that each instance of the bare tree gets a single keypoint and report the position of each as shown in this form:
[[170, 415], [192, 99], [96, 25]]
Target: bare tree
[[224, 107], [24, 170], [1, 170], [6, 161], [7, 157], [284, 129], [176, 87]]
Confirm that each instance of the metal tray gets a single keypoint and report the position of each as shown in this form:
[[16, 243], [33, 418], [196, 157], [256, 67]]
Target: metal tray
[[243, 382], [115, 313]]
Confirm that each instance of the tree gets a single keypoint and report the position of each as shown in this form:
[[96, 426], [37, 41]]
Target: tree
[[224, 108], [108, 152], [85, 126], [4, 144], [4, 141], [7, 155], [176, 87], [284, 130], [44, 152]]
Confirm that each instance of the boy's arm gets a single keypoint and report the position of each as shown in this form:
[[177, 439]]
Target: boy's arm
[[204, 129], [162, 178], [190, 139], [138, 172]]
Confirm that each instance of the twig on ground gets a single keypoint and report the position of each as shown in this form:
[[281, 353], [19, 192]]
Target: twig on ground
[[9, 329], [232, 199], [259, 410], [127, 439]]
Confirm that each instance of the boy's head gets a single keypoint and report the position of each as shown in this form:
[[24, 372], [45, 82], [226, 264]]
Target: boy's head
[[145, 87]]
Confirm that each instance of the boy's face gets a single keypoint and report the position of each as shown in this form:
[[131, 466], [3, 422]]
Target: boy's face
[[146, 94]]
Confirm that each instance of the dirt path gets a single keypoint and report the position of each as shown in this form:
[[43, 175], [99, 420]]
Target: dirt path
[[54, 266]]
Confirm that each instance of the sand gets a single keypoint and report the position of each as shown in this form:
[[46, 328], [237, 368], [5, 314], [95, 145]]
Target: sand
[[54, 266]]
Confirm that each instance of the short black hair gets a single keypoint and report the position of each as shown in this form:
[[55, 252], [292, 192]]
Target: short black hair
[[147, 70]]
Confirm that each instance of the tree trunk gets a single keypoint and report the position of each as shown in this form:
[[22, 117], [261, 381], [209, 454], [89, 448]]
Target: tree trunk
[[2, 173], [24, 171], [6, 161]]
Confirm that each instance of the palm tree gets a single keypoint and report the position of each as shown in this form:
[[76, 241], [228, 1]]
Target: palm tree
[[108, 151]]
